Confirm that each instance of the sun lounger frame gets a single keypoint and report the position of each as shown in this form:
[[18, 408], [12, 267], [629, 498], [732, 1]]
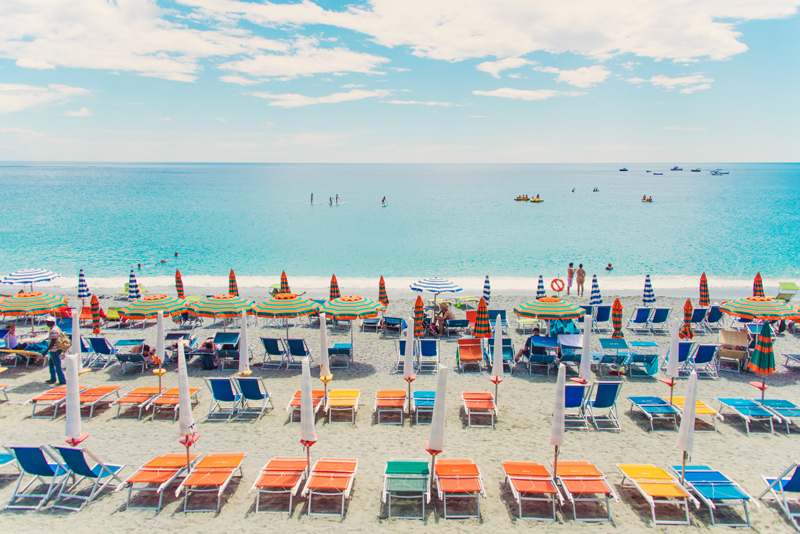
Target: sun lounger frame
[[60, 474], [406, 494], [59, 395], [571, 497], [785, 411], [483, 396], [388, 404], [783, 500], [291, 491], [331, 492], [219, 489], [172, 474], [152, 405], [145, 394], [655, 408], [701, 406], [714, 503], [521, 497], [444, 495], [100, 472], [734, 404], [652, 501]]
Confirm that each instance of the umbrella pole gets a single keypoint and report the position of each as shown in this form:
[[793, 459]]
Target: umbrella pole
[[495, 391], [555, 466], [763, 388], [308, 455], [683, 468], [352, 352], [671, 387], [409, 397]]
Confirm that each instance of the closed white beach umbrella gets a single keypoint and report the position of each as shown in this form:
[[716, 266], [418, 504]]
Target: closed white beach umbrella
[[436, 439], [185, 419], [160, 349], [586, 354], [686, 431], [324, 361], [244, 348], [307, 433], [408, 357], [487, 290], [558, 431], [73, 401], [75, 348], [497, 356]]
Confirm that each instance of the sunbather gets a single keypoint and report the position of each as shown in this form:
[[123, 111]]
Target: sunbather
[[444, 314]]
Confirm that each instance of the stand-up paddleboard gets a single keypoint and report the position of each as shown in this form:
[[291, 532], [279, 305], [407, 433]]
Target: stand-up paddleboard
[[339, 204], [314, 203]]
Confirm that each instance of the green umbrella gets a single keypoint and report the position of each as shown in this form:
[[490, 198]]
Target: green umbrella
[[763, 359]]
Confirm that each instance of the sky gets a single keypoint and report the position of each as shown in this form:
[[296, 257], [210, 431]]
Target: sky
[[400, 81]]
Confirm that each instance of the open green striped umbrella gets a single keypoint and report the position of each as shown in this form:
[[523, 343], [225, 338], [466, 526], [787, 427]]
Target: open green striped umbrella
[[758, 286], [31, 303], [758, 308], [148, 307], [284, 284], [383, 298], [705, 300], [95, 304], [179, 284], [285, 305], [220, 306], [419, 315], [482, 327], [351, 307], [763, 359], [686, 330], [233, 289], [616, 319], [334, 293], [549, 309]]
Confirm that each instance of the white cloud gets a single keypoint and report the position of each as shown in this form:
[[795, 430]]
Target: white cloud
[[690, 90], [683, 128], [690, 84], [83, 112], [523, 94], [443, 104], [241, 80], [515, 76], [495, 67], [582, 77], [291, 100], [352, 85], [399, 69], [16, 97], [630, 65]]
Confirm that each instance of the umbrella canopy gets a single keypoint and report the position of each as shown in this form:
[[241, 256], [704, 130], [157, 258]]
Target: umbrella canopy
[[29, 276], [352, 307], [334, 293], [758, 286], [616, 319], [763, 359], [133, 287], [435, 285], [596, 298], [487, 290], [550, 308], [758, 308], [148, 307], [419, 315], [179, 284], [95, 304], [705, 300], [83, 288], [558, 431], [649, 297], [383, 298], [220, 306], [307, 434], [540, 293], [233, 289], [436, 439], [686, 329], [482, 327], [32, 303], [185, 419], [673, 361], [244, 348], [285, 305], [586, 354], [284, 283], [73, 402]]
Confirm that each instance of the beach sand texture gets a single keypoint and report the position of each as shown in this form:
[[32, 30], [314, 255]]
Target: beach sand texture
[[521, 434]]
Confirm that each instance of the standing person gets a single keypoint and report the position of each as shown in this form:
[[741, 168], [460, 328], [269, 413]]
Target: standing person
[[330, 201], [383, 202], [337, 199], [570, 276], [312, 198], [580, 277], [54, 359]]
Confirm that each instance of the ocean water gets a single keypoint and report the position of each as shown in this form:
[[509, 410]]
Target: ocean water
[[454, 221]]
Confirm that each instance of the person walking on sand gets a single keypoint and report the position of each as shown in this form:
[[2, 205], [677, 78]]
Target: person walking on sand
[[54, 358], [570, 276], [580, 277]]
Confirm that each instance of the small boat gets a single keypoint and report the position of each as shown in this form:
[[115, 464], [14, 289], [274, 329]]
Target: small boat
[[696, 170], [536, 200], [676, 168], [624, 169], [716, 172], [523, 198], [648, 171], [658, 174], [648, 200]]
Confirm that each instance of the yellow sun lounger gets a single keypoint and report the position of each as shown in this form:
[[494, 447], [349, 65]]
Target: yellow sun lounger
[[701, 408], [657, 486], [343, 400]]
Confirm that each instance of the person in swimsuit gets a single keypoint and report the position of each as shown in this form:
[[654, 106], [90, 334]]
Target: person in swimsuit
[[609, 267], [337, 199], [330, 201], [570, 276], [580, 277], [383, 202]]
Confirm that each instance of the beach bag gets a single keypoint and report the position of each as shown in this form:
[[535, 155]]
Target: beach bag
[[207, 363], [63, 343]]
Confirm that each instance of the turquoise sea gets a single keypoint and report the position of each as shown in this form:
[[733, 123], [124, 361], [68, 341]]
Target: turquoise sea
[[441, 220]]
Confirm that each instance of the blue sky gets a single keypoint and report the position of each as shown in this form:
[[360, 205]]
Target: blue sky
[[400, 81]]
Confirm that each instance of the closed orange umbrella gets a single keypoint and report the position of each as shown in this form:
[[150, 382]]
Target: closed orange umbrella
[[179, 284], [758, 286], [383, 298], [284, 284], [95, 315], [419, 314], [616, 320], [705, 300], [233, 289], [482, 327], [686, 330], [334, 293]]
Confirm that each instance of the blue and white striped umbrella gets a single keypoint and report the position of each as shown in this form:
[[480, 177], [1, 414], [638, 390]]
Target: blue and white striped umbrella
[[596, 298], [83, 289], [133, 287], [29, 276], [540, 289], [649, 297], [435, 285], [487, 290]]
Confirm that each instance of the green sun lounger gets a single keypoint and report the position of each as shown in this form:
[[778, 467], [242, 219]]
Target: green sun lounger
[[407, 479]]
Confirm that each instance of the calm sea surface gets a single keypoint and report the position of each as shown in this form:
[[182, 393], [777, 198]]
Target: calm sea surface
[[445, 220]]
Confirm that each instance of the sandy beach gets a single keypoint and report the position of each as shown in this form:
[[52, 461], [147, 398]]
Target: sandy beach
[[521, 433]]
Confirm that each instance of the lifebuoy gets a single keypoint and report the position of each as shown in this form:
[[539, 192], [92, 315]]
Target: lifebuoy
[[557, 284]]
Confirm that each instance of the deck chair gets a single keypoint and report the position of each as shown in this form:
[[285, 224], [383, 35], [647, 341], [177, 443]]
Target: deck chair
[[112, 314], [656, 486], [52, 398], [570, 348], [280, 476], [655, 409], [698, 320], [455, 325], [659, 321], [428, 357], [605, 398], [400, 352], [422, 403], [715, 490], [493, 314], [46, 470], [167, 399], [704, 361], [602, 319], [3, 388], [583, 482], [508, 354], [101, 475], [297, 350], [390, 401], [407, 480], [781, 487], [135, 359], [7, 459], [331, 477], [574, 401], [469, 352], [372, 323], [701, 408], [479, 403], [527, 323], [685, 349], [212, 474], [393, 325], [93, 396], [471, 317], [640, 320], [102, 353], [137, 398], [642, 364], [589, 315], [787, 291], [713, 319], [342, 400], [733, 348], [539, 355], [459, 479], [532, 482], [225, 399], [253, 390], [317, 396], [748, 410], [155, 476], [274, 353], [786, 411]]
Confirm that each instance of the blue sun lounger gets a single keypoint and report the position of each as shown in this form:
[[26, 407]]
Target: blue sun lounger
[[100, 476], [716, 490], [102, 353], [785, 410], [508, 354], [640, 320], [655, 408], [659, 321], [684, 350], [422, 402], [605, 398], [46, 469], [493, 319], [784, 484], [274, 353], [750, 411], [602, 319]]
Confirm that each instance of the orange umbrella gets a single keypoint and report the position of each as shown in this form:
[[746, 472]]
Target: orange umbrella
[[419, 314], [482, 327], [284, 283], [179, 284], [95, 315], [334, 293], [758, 286], [705, 301], [616, 320], [233, 289], [383, 298], [686, 330]]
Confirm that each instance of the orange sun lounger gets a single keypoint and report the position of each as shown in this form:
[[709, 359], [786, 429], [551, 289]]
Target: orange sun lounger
[[389, 401], [343, 400], [657, 486], [479, 403], [469, 352], [137, 398], [169, 399], [331, 477], [3, 388], [459, 479], [54, 397], [583, 482], [90, 397], [155, 476], [530, 481], [317, 396], [212, 474], [280, 475]]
